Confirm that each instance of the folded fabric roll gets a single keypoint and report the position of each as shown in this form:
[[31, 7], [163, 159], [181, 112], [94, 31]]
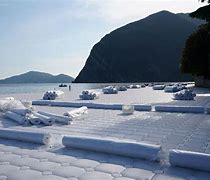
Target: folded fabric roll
[[45, 120], [56, 118], [171, 89], [76, 112], [34, 120], [174, 88], [22, 111], [32, 137], [158, 87], [180, 109], [16, 117], [188, 159], [124, 148]]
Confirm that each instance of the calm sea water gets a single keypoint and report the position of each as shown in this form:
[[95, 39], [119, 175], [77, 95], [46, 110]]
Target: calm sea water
[[42, 87]]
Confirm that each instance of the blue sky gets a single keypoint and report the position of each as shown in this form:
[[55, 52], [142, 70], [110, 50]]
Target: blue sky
[[56, 36]]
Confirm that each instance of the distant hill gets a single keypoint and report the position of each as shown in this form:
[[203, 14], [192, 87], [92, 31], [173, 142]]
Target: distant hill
[[38, 77], [146, 50]]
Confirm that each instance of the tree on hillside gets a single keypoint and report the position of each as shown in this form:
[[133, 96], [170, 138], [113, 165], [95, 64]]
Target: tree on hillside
[[196, 54], [205, 1]]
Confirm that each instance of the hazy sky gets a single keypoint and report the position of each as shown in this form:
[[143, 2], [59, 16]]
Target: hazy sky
[[56, 36]]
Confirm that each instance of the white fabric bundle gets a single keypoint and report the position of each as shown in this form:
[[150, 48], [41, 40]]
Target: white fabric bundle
[[173, 88], [27, 104], [89, 95], [124, 148], [128, 109], [179, 109], [188, 159], [185, 94], [109, 90], [16, 117], [56, 118], [158, 87], [52, 95], [122, 88], [76, 112], [32, 137], [8, 105], [45, 120]]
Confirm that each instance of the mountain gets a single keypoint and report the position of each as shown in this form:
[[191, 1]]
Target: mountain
[[146, 50], [38, 77]]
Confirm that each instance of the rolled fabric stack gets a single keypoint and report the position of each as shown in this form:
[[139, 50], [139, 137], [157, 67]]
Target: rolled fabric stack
[[20, 119], [158, 87], [56, 118], [110, 90], [27, 116], [52, 95], [24, 114], [46, 120], [89, 95], [185, 94], [122, 88]]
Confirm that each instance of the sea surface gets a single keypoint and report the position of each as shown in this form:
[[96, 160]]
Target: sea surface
[[43, 87]]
